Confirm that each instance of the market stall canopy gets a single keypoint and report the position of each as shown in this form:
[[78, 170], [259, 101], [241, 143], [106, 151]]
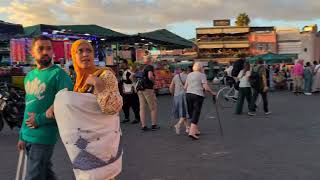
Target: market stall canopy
[[96, 30], [271, 58], [166, 36], [93, 30], [158, 38], [9, 30]]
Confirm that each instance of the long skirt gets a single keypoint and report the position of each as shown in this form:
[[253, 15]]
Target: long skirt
[[180, 106]]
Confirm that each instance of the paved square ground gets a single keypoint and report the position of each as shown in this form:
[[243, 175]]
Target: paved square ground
[[281, 146]]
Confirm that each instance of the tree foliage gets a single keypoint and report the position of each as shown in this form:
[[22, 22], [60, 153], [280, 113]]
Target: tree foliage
[[243, 20]]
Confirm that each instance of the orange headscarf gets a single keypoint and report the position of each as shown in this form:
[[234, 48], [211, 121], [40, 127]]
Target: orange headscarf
[[82, 74]]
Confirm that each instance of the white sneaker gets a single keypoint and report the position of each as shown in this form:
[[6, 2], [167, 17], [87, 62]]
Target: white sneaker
[[308, 94], [267, 113], [177, 127], [187, 130], [251, 113]]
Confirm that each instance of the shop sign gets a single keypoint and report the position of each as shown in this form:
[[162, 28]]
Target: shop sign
[[221, 22]]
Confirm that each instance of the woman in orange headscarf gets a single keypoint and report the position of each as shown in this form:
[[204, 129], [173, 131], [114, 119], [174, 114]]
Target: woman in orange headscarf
[[88, 118], [102, 81]]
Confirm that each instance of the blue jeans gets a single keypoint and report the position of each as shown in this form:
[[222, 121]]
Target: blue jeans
[[307, 84], [39, 165]]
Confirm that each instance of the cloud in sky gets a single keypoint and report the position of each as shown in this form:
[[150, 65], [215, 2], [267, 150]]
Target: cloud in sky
[[142, 15]]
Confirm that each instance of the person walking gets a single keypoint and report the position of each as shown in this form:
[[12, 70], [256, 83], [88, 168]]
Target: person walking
[[148, 97], [308, 75], [260, 71], [129, 95], [298, 77], [316, 78], [88, 118], [39, 132], [237, 67], [244, 88], [195, 86], [180, 111]]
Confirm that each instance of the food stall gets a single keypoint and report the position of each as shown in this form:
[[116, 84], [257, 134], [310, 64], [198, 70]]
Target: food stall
[[163, 76]]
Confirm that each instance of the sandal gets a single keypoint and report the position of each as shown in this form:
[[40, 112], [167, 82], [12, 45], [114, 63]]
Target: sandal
[[155, 127], [194, 137]]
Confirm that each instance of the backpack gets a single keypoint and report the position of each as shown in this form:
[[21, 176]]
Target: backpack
[[237, 67], [139, 85], [255, 79]]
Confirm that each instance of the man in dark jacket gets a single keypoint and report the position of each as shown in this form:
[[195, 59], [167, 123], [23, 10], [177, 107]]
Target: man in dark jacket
[[130, 97]]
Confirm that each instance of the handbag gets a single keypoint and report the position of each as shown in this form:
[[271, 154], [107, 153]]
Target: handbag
[[127, 88], [127, 85]]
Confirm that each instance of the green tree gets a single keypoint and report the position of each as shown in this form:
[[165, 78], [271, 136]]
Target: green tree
[[243, 20]]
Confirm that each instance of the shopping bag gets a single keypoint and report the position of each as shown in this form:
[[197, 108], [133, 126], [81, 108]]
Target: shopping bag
[[91, 137]]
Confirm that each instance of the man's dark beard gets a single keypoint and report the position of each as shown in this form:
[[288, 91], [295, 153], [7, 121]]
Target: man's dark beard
[[45, 62]]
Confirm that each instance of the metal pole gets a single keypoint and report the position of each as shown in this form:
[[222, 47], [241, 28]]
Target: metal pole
[[215, 99]]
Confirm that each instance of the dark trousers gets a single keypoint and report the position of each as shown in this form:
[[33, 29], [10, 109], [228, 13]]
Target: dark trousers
[[131, 100], [244, 93], [194, 103], [39, 164], [255, 97]]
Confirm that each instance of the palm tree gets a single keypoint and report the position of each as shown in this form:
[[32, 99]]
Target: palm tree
[[243, 20]]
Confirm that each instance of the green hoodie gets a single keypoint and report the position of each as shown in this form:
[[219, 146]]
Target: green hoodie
[[41, 87]]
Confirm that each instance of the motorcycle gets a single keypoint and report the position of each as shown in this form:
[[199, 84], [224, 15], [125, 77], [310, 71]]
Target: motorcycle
[[12, 105]]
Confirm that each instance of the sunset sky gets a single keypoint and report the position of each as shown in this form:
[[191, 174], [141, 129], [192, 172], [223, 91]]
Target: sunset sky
[[178, 16]]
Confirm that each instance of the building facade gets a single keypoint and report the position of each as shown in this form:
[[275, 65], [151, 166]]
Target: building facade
[[310, 44], [222, 44], [262, 40], [288, 41]]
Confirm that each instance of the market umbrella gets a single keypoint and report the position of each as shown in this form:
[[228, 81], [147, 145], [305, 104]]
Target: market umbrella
[[271, 58]]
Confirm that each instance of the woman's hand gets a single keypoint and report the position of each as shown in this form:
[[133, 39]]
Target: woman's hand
[[213, 93], [96, 82], [50, 112]]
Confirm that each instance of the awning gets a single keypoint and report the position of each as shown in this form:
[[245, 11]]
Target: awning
[[271, 58]]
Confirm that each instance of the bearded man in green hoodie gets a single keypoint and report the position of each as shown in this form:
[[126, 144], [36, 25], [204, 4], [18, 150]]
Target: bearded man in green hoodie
[[39, 131]]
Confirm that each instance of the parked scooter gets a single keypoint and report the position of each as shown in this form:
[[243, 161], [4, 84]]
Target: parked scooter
[[12, 105]]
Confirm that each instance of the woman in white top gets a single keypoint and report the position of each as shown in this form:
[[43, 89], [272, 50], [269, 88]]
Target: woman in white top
[[316, 79], [245, 88], [195, 85]]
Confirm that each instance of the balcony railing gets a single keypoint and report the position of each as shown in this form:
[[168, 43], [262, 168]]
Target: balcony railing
[[231, 38], [221, 55]]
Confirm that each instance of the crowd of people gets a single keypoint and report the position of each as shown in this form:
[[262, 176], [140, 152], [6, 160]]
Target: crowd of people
[[84, 109], [187, 87], [306, 78], [249, 82], [300, 78]]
